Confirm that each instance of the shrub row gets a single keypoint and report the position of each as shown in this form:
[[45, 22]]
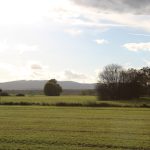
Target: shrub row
[[63, 104]]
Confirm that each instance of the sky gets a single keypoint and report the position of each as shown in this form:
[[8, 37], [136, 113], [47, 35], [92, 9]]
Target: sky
[[72, 40]]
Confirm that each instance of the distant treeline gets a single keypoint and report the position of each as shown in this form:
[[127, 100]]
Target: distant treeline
[[64, 92]]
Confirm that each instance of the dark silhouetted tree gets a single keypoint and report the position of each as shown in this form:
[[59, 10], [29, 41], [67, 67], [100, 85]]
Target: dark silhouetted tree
[[109, 80], [0, 93], [144, 79], [52, 88], [111, 74], [4, 94], [117, 83]]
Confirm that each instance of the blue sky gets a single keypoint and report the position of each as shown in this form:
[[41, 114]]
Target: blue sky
[[71, 39]]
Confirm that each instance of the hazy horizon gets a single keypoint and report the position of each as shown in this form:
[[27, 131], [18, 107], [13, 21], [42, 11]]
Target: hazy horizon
[[71, 40], [47, 80]]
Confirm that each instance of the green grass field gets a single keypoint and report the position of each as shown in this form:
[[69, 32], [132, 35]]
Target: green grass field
[[73, 100], [74, 128]]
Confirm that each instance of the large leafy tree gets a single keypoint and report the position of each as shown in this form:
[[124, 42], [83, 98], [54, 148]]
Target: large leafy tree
[[52, 88], [117, 83]]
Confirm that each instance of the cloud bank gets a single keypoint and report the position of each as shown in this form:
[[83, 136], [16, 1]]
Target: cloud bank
[[102, 15], [121, 6]]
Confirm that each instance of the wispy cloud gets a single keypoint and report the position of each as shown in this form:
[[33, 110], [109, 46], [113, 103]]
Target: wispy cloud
[[101, 41], [71, 75], [3, 46], [137, 34], [26, 48], [29, 71], [147, 62], [127, 65], [74, 32], [137, 46]]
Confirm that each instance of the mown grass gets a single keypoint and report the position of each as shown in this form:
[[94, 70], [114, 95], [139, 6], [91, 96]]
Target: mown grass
[[69, 128], [87, 101]]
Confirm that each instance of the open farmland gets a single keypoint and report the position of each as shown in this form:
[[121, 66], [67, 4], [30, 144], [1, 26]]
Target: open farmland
[[49, 99], [68, 128]]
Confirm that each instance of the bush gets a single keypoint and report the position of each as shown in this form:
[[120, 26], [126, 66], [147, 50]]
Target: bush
[[20, 94], [4, 94], [88, 92]]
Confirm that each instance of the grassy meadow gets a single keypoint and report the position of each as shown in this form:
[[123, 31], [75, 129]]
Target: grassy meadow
[[72, 101], [72, 128], [48, 127]]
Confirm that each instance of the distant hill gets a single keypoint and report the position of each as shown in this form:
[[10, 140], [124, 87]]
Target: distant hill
[[39, 84]]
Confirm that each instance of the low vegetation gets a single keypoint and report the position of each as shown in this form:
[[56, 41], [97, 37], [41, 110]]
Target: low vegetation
[[82, 101], [88, 93], [20, 94]]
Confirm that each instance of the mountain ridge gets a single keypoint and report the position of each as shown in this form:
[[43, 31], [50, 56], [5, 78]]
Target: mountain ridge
[[39, 85]]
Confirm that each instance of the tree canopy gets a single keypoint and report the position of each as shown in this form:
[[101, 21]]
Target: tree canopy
[[52, 88], [118, 83]]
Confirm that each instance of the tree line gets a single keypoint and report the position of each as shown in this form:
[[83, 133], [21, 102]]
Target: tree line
[[117, 83]]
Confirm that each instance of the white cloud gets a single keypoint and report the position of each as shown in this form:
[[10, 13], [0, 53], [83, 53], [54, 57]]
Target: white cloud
[[22, 11], [36, 66], [147, 62], [25, 48], [98, 71], [101, 41], [34, 70], [3, 46], [74, 32], [71, 75], [127, 65], [137, 46], [29, 71], [8, 72]]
